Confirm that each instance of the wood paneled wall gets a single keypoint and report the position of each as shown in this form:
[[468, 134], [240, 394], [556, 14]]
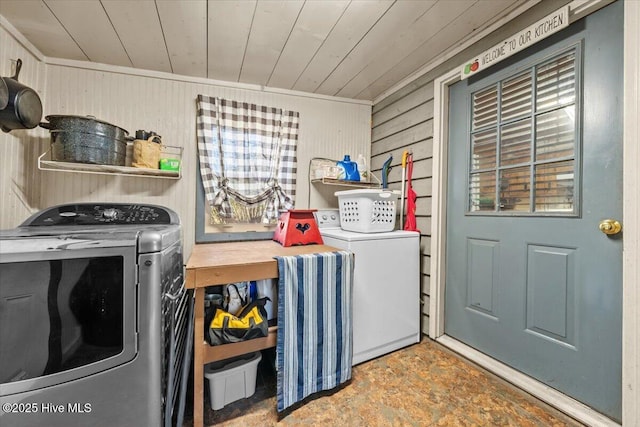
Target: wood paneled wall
[[19, 150], [328, 128], [404, 121]]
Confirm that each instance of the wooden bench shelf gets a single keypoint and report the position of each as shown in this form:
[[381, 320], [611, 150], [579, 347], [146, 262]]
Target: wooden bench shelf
[[214, 264], [214, 353]]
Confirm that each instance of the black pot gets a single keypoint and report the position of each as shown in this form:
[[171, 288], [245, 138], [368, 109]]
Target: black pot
[[23, 109], [85, 139], [4, 94], [79, 147]]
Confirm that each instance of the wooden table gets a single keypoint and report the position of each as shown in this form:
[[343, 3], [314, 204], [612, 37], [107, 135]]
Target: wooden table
[[218, 264]]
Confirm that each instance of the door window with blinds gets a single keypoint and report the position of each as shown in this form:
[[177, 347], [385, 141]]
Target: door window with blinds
[[524, 142]]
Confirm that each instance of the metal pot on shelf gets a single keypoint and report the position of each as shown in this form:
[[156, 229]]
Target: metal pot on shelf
[[85, 139]]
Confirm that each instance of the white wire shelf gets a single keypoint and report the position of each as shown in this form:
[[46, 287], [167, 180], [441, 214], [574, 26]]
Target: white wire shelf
[[45, 163], [345, 183]]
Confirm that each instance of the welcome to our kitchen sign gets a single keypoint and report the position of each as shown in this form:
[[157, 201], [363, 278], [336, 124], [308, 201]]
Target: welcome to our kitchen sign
[[525, 38]]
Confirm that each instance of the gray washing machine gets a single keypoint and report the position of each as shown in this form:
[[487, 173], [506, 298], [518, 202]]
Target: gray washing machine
[[94, 317]]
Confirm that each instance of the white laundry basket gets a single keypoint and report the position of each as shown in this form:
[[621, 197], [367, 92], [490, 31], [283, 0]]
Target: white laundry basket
[[367, 210]]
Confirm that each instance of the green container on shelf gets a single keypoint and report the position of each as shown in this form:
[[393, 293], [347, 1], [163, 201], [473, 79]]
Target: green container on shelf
[[170, 165]]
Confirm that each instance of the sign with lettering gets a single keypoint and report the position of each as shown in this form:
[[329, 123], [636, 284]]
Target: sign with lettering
[[525, 38]]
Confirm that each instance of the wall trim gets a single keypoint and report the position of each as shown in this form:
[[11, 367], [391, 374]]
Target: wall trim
[[551, 396], [94, 66], [631, 188], [439, 200], [631, 216], [21, 39]]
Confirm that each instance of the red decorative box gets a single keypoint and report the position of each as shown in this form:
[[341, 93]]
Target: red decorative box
[[297, 227]]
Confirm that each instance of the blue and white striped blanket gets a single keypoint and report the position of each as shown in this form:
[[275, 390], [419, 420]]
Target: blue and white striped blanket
[[314, 348]]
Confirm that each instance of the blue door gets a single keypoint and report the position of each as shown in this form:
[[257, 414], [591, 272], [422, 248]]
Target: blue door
[[534, 247]]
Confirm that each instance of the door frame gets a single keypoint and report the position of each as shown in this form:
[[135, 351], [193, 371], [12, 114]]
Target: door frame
[[631, 243]]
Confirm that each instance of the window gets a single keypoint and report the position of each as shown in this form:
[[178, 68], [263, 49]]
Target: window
[[524, 142], [247, 160]]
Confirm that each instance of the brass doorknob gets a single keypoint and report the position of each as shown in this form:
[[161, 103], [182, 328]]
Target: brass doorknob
[[610, 226]]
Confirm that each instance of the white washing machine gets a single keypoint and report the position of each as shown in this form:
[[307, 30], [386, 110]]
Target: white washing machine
[[386, 289]]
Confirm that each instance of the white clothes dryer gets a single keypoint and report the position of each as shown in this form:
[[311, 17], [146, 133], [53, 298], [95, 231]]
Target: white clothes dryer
[[386, 286]]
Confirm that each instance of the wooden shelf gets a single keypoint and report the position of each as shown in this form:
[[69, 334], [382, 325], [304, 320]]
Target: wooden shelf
[[344, 183], [213, 264], [45, 163], [214, 353]]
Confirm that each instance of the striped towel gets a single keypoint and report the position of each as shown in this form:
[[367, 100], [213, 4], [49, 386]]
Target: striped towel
[[314, 349]]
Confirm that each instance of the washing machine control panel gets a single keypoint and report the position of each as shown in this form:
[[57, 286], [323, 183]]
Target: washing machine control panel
[[102, 214]]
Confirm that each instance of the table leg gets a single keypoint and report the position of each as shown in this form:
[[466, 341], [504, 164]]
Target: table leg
[[198, 360]]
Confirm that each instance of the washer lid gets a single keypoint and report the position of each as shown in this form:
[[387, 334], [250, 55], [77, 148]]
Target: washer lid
[[352, 236], [102, 214], [21, 241], [90, 225]]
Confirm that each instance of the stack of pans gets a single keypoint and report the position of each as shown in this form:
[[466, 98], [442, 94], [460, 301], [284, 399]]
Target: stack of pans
[[84, 139]]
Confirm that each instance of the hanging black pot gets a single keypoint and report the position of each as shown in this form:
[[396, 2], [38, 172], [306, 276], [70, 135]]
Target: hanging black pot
[[4, 94], [23, 109]]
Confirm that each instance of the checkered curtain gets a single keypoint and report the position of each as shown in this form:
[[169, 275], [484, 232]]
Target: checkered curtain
[[247, 157]]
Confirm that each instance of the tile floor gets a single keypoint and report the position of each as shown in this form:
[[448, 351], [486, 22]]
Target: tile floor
[[421, 385]]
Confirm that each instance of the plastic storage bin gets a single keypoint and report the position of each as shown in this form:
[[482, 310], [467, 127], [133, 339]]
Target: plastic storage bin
[[367, 210], [232, 381]]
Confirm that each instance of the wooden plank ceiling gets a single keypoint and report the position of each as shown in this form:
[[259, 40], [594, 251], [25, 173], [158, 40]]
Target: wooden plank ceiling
[[354, 49]]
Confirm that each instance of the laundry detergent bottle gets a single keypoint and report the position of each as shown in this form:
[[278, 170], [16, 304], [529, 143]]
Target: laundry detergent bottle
[[348, 169], [362, 168]]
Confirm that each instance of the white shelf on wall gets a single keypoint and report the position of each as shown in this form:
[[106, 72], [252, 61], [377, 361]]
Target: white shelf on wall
[[344, 183], [45, 163]]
